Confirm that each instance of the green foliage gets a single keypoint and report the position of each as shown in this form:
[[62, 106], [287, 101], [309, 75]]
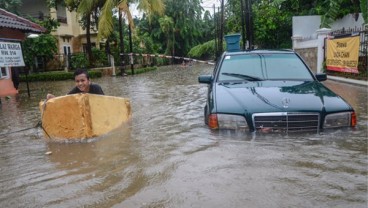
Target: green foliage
[[187, 18], [11, 5], [47, 76], [79, 60], [99, 57], [364, 8], [203, 51], [168, 30], [55, 76], [44, 46], [54, 3], [49, 24], [94, 74], [272, 25]]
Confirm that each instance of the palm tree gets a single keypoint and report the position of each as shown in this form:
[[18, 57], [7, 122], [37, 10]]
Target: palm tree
[[167, 27], [105, 23], [85, 8]]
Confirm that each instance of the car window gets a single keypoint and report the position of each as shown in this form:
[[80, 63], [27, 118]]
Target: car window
[[264, 66]]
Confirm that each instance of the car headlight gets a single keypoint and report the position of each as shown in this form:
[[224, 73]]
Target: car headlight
[[340, 120], [226, 121]]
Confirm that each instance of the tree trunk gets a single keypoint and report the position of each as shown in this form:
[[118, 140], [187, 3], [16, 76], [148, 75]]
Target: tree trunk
[[88, 37], [122, 57]]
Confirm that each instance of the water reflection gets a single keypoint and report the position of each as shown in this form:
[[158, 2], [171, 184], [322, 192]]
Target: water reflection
[[167, 157]]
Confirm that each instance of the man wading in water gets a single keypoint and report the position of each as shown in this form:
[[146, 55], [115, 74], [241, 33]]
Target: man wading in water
[[82, 85]]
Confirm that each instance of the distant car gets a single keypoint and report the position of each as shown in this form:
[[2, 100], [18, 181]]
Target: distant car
[[271, 91]]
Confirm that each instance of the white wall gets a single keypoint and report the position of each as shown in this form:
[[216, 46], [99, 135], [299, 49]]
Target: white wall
[[348, 21], [306, 26]]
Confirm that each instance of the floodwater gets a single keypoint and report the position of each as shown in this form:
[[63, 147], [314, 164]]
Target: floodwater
[[167, 157]]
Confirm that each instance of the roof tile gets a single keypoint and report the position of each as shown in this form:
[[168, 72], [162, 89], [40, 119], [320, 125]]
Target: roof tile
[[10, 20]]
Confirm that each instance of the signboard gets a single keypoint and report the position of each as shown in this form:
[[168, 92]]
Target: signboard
[[343, 54], [11, 54]]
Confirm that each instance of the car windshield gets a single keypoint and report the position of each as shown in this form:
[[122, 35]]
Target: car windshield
[[258, 67]]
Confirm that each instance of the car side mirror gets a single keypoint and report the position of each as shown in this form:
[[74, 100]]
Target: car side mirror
[[321, 77], [205, 79]]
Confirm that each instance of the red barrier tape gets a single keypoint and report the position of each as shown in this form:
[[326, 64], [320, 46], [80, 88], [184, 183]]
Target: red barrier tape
[[169, 57]]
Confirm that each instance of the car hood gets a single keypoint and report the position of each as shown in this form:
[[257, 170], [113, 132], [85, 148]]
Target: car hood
[[276, 96]]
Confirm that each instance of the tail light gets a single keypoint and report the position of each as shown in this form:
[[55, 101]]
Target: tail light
[[353, 119], [212, 121]]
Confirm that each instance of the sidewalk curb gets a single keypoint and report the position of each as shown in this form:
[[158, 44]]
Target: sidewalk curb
[[346, 80]]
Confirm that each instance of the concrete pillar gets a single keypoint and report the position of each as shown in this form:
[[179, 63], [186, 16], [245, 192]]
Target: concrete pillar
[[321, 35], [112, 64], [296, 39]]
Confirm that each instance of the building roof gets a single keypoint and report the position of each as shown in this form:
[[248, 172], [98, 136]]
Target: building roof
[[10, 20]]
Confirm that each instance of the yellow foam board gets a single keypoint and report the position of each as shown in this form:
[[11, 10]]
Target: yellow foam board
[[81, 116]]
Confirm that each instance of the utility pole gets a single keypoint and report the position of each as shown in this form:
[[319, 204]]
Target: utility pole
[[173, 47], [222, 27], [216, 31], [218, 27], [243, 23], [248, 22]]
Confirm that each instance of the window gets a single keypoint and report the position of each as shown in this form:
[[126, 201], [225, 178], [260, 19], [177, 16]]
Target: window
[[4, 73], [67, 49], [265, 66]]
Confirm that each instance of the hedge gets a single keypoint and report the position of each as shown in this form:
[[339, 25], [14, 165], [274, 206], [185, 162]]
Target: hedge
[[61, 75], [55, 76]]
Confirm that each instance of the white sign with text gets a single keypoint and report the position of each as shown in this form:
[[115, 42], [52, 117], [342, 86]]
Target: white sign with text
[[11, 54]]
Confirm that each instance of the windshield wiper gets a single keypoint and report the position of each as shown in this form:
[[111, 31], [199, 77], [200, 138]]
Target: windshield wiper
[[243, 76]]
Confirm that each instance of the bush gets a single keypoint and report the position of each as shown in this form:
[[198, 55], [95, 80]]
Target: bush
[[78, 60], [55, 76], [204, 51], [99, 58]]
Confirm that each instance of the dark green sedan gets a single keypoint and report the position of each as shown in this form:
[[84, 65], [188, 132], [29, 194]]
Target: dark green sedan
[[271, 91]]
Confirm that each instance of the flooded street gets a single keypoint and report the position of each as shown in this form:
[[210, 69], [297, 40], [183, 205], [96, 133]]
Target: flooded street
[[167, 157]]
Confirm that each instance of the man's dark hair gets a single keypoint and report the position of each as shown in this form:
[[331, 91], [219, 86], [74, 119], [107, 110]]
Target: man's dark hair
[[81, 71]]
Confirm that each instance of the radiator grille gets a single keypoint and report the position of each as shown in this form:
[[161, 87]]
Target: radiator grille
[[286, 122]]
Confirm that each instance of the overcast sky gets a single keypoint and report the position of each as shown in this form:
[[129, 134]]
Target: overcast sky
[[206, 4]]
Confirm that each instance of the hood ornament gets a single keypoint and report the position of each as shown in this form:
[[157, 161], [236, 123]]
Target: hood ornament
[[285, 102]]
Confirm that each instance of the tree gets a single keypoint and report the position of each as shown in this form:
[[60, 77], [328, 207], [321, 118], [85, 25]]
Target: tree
[[187, 18], [364, 8], [272, 25], [105, 20], [45, 46], [207, 25], [272, 19], [11, 5], [336, 9], [87, 9], [167, 27]]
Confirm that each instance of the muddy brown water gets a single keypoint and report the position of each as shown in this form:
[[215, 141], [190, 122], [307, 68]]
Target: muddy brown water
[[167, 157]]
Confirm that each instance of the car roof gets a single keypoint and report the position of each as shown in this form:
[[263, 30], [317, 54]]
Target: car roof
[[257, 51]]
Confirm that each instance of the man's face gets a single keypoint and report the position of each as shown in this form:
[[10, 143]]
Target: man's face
[[82, 83]]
